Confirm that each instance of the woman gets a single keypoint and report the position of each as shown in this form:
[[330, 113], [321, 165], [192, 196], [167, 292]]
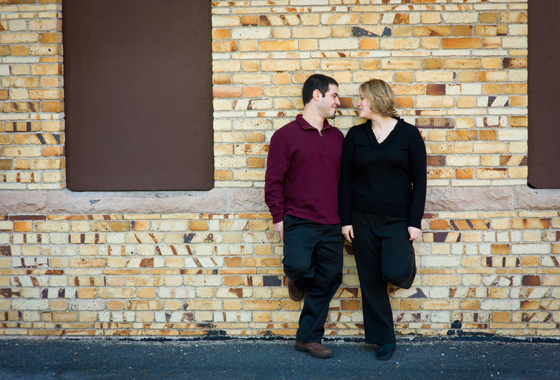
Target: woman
[[381, 203]]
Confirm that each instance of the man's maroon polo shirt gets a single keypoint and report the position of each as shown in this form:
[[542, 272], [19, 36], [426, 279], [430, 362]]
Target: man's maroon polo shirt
[[303, 170]]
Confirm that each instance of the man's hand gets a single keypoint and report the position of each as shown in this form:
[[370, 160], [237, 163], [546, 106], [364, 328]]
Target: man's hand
[[348, 232], [414, 233], [279, 227]]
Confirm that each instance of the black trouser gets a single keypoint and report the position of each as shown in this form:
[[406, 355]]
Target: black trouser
[[383, 254], [313, 260]]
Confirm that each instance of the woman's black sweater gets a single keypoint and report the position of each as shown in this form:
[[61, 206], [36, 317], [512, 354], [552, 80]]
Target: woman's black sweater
[[387, 178]]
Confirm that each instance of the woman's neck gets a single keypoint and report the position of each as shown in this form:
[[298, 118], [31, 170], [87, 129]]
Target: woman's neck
[[381, 123]]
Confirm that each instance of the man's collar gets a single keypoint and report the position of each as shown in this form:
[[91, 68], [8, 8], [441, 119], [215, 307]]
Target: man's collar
[[305, 125]]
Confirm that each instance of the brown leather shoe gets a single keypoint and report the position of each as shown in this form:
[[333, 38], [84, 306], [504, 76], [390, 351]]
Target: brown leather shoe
[[315, 349], [294, 292]]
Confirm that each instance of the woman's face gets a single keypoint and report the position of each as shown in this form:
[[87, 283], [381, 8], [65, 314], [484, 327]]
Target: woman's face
[[364, 106]]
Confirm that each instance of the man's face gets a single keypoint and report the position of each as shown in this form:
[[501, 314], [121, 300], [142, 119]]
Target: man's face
[[328, 103]]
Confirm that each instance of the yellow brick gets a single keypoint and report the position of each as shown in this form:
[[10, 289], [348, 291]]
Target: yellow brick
[[441, 280], [430, 43], [409, 305], [369, 44], [466, 102], [494, 173], [401, 64], [87, 293], [431, 18], [15, 38], [399, 44], [248, 66], [520, 172], [45, 94], [491, 63], [315, 32], [310, 65], [490, 148], [311, 19], [339, 64], [501, 224], [261, 305], [281, 33], [370, 18], [435, 76], [439, 305], [261, 317], [461, 43], [308, 45], [277, 45], [435, 102], [198, 225], [404, 77], [488, 17], [461, 63], [280, 65]]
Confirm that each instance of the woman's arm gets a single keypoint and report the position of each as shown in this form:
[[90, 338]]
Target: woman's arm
[[418, 178], [346, 179]]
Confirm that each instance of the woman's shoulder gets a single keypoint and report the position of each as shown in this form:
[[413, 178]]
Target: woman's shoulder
[[410, 132], [357, 132], [360, 128], [404, 124], [407, 127]]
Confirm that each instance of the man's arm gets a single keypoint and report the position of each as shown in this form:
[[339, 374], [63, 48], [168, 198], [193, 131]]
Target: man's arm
[[279, 227], [278, 163]]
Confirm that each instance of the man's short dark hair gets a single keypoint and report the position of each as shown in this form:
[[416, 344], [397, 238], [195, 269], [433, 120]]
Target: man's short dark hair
[[316, 82]]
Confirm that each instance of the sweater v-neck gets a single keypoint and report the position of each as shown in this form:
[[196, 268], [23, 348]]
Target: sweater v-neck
[[389, 137]]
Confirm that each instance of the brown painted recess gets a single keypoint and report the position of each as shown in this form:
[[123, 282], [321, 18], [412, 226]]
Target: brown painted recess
[[138, 94], [544, 85]]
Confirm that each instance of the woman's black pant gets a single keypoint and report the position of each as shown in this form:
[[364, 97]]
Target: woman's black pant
[[383, 253], [313, 260]]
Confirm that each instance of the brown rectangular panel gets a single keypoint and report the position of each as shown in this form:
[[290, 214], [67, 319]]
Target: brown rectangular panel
[[138, 94], [544, 94]]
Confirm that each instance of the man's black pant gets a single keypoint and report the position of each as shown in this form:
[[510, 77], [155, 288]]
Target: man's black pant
[[383, 253], [313, 260]]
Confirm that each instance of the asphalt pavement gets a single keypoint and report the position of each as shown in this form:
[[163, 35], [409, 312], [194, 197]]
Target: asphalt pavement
[[425, 359]]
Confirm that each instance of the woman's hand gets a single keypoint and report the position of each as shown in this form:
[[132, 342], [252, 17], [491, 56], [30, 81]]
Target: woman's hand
[[348, 232], [414, 233]]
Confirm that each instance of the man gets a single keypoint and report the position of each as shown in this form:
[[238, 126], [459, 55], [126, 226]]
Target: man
[[301, 191]]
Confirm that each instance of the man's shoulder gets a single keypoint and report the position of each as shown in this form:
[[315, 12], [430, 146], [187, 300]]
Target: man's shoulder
[[290, 128], [337, 131]]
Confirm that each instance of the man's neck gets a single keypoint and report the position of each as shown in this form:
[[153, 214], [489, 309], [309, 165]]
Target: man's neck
[[313, 119]]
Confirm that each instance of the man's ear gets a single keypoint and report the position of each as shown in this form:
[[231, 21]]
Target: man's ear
[[317, 94]]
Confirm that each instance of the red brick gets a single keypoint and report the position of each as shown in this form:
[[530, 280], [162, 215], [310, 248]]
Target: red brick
[[531, 281], [435, 89]]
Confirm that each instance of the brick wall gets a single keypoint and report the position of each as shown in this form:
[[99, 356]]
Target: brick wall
[[192, 264]]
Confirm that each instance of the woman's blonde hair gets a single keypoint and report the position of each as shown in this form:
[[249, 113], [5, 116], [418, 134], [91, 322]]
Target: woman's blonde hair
[[381, 97]]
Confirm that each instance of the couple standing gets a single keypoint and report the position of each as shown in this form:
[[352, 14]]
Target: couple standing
[[369, 187]]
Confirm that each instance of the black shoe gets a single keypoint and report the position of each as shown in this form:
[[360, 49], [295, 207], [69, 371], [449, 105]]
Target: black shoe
[[294, 292], [386, 351]]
